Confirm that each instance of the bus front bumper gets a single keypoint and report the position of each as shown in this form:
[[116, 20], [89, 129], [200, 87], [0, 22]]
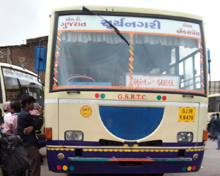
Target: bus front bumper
[[116, 161]]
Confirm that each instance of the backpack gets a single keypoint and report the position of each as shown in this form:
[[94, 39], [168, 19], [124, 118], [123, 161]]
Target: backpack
[[12, 155]]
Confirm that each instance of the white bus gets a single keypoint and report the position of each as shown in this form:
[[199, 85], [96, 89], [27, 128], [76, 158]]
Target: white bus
[[126, 91], [214, 105], [16, 81]]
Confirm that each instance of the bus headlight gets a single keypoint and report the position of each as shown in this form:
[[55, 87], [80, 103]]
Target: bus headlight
[[184, 137], [73, 136]]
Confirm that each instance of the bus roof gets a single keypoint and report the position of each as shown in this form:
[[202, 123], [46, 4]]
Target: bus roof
[[17, 68], [132, 10], [215, 95]]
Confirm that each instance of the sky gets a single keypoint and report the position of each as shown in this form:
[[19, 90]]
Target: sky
[[26, 19]]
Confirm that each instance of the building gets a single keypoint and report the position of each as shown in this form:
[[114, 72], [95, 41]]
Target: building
[[214, 87], [23, 55]]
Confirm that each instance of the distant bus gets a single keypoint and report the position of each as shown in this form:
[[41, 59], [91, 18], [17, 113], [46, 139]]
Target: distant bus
[[213, 108], [214, 105], [126, 91], [16, 81]]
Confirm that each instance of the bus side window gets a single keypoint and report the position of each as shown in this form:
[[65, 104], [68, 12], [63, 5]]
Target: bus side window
[[217, 106], [211, 107]]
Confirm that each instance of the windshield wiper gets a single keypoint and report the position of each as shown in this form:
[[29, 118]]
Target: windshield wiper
[[19, 83], [116, 30]]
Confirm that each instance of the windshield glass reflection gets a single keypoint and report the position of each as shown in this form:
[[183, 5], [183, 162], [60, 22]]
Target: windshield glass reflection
[[18, 83]]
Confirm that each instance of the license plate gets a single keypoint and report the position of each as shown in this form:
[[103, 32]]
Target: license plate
[[186, 114]]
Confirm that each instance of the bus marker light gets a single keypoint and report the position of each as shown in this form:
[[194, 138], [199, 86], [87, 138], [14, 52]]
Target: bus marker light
[[102, 96], [194, 168], [58, 167], [60, 156], [195, 156], [48, 134], [158, 97], [164, 98], [189, 168], [65, 167], [205, 135], [71, 168], [97, 95]]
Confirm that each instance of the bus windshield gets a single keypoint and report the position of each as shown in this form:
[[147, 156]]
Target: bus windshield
[[164, 54], [18, 83]]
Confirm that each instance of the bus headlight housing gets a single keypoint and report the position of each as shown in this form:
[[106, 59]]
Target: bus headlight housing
[[73, 136], [184, 137]]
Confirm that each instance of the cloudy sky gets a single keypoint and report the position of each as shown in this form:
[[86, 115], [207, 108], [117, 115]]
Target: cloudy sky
[[25, 19]]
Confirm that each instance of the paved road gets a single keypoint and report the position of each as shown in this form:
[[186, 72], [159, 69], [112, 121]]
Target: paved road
[[211, 162], [210, 165]]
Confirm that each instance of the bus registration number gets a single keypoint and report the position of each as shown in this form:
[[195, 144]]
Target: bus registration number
[[186, 114]]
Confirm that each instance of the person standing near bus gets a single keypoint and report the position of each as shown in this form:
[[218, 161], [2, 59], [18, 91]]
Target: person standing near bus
[[30, 141], [10, 125], [6, 107], [217, 125], [7, 114], [2, 124], [212, 127]]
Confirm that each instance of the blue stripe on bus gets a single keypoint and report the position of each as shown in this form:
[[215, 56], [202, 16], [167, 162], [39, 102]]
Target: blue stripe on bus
[[65, 165], [131, 123]]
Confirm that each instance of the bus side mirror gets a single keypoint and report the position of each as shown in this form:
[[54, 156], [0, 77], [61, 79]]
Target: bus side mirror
[[40, 58], [209, 60]]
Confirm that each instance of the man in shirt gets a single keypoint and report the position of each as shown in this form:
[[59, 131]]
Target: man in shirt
[[212, 127], [10, 125], [217, 125], [30, 141]]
